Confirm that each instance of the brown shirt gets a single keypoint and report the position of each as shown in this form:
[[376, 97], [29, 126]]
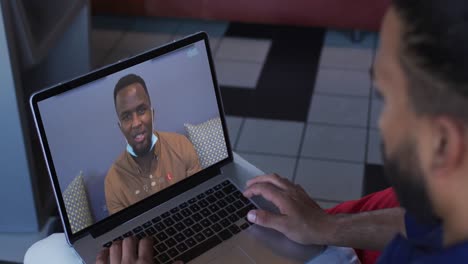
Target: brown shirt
[[174, 159]]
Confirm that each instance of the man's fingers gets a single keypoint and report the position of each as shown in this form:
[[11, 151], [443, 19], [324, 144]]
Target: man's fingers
[[267, 219], [269, 192], [115, 252], [129, 250], [145, 250], [274, 179], [103, 257]]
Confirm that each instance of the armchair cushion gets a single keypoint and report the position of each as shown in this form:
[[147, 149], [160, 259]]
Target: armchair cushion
[[77, 205], [208, 140]]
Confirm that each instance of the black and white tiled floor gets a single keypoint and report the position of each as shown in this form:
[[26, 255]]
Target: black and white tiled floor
[[308, 111]]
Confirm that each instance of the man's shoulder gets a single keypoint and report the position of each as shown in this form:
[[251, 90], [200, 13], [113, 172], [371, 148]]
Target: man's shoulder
[[172, 137], [175, 142], [113, 171]]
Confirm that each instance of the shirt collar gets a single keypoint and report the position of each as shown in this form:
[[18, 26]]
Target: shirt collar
[[156, 151], [424, 236], [424, 244]]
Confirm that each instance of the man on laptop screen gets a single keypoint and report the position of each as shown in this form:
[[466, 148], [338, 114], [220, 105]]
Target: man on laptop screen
[[152, 160]]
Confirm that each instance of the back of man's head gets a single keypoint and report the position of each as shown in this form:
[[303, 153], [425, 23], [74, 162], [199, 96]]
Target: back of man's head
[[434, 55]]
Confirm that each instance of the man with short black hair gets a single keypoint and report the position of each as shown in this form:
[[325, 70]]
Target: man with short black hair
[[152, 160]]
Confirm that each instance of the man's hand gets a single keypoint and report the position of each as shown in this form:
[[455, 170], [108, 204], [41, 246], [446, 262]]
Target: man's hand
[[129, 251], [301, 219]]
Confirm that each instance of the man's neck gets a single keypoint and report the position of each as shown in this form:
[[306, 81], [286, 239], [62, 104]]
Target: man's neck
[[455, 229], [453, 207], [144, 161], [453, 236]]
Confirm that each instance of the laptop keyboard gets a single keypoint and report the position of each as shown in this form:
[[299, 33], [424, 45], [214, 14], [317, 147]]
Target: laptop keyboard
[[196, 225]]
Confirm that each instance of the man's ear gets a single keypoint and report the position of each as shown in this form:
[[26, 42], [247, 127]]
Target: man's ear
[[449, 145]]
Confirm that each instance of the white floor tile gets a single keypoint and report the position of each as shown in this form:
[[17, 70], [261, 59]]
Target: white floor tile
[[376, 109], [134, 43], [234, 124], [102, 41], [330, 180], [238, 74], [339, 110], [214, 45], [346, 58], [270, 136], [374, 154], [282, 166], [334, 142], [244, 49], [343, 82]]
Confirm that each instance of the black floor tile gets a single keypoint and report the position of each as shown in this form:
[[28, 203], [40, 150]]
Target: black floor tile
[[285, 86], [236, 100], [374, 179]]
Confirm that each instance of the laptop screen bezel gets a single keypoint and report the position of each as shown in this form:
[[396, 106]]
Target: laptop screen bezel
[[140, 207]]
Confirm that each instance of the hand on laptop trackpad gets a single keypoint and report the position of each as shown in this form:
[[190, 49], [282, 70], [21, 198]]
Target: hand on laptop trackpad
[[234, 256]]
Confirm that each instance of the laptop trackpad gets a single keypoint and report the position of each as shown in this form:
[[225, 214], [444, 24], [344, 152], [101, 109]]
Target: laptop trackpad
[[234, 256]]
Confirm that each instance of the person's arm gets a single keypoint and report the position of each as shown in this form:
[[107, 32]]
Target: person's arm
[[367, 230], [303, 221], [113, 202]]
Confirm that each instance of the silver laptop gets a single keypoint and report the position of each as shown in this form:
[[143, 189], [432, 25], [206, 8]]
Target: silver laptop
[[95, 134]]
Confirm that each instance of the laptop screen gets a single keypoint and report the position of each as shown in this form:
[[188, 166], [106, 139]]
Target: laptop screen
[[122, 138]]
